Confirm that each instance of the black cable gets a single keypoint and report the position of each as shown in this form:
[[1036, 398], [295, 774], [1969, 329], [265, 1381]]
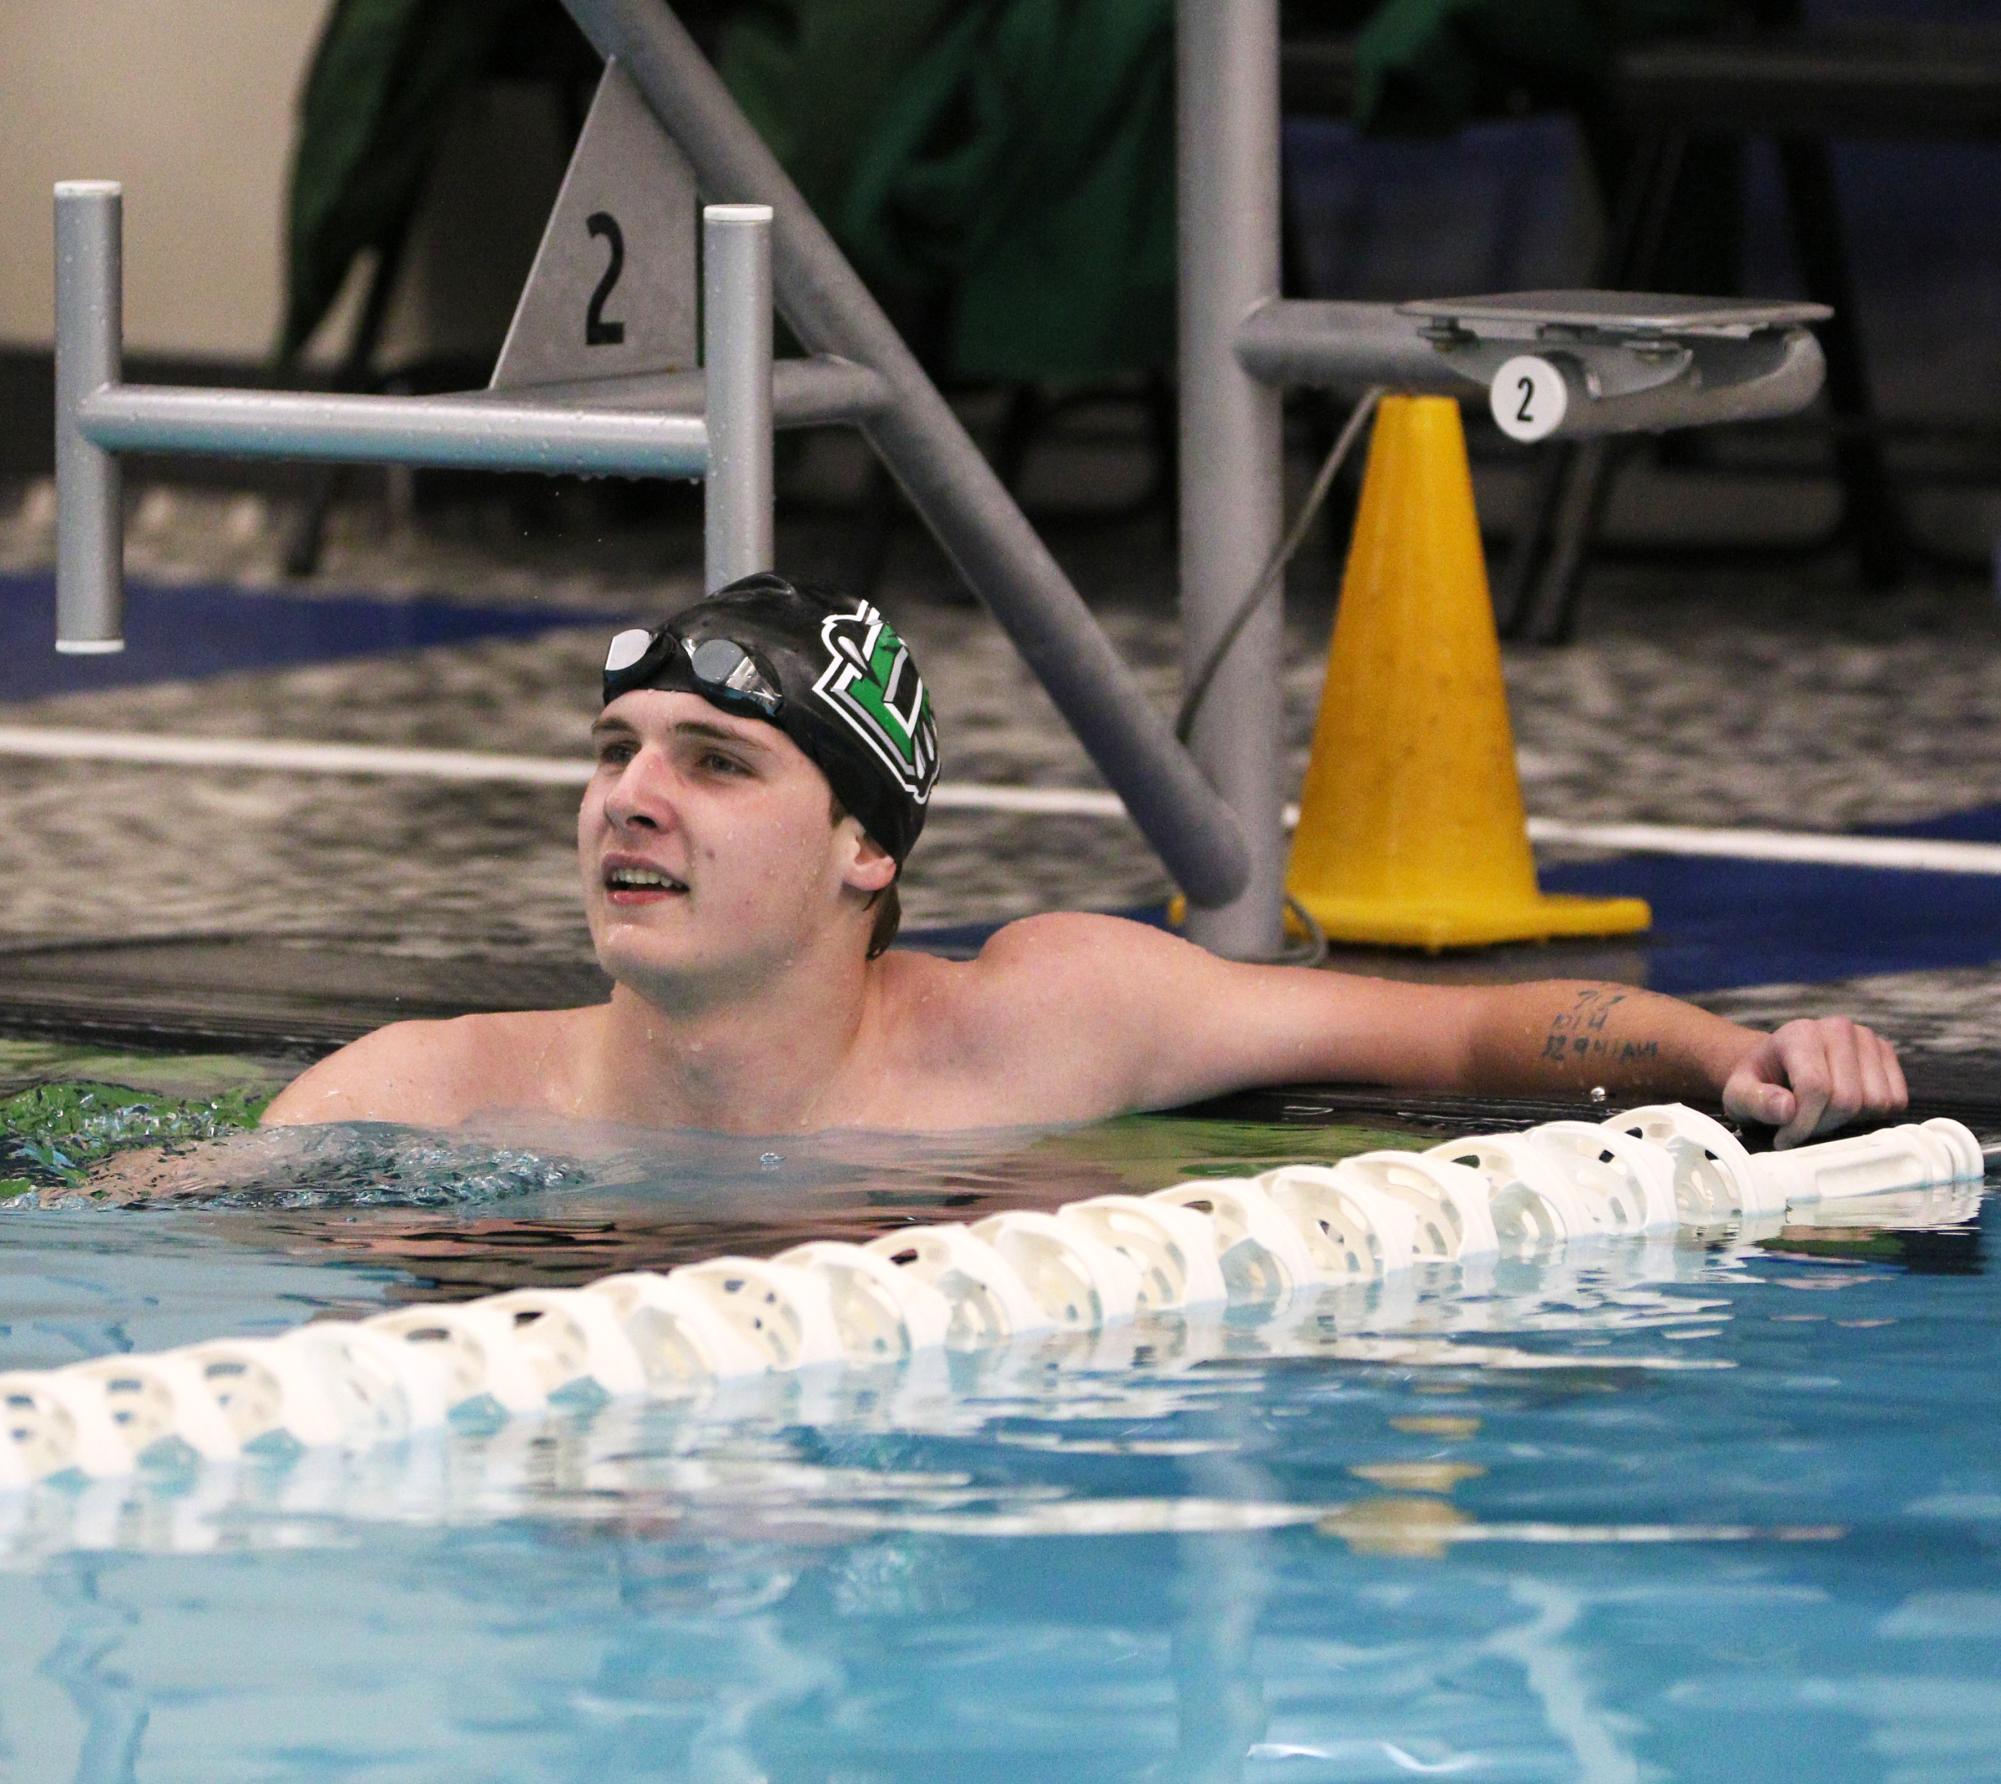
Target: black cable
[[1312, 950], [1273, 573]]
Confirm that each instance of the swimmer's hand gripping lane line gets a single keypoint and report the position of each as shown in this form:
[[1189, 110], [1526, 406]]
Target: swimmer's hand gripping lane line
[[355, 1385]]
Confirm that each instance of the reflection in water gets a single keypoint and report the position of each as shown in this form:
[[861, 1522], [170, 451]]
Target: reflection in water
[[558, 1205], [1177, 1394], [1222, 1589], [1419, 1477], [1601, 1749], [1397, 1528], [1412, 1528], [1927, 1232]]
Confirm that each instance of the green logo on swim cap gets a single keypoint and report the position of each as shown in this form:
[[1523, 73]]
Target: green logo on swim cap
[[874, 686]]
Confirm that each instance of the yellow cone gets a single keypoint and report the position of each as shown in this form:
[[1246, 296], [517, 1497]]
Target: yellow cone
[[1411, 829]]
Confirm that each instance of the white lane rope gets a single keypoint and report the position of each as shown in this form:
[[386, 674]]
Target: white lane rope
[[350, 1386], [54, 743]]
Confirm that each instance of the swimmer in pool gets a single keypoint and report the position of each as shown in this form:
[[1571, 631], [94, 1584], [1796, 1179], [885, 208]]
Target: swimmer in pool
[[763, 765]]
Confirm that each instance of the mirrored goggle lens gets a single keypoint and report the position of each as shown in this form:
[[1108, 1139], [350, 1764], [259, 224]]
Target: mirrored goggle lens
[[727, 667], [627, 648]]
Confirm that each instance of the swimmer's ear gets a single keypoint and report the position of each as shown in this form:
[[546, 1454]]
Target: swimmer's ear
[[869, 866]]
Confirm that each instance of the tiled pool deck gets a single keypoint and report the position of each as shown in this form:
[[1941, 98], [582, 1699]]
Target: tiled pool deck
[[1764, 696]]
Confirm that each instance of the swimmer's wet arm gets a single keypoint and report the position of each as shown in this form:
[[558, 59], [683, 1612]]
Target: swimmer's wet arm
[[1808, 1077], [1189, 1025]]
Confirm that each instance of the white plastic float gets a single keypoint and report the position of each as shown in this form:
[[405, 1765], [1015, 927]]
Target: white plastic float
[[343, 1385], [1260, 1255], [1353, 1229], [1171, 1249], [986, 1295], [1078, 1281], [381, 1387], [1535, 1201], [880, 1311], [1450, 1201], [1713, 1176], [680, 1338]]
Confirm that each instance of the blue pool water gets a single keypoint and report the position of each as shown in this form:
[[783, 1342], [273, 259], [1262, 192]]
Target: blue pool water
[[1722, 1507]]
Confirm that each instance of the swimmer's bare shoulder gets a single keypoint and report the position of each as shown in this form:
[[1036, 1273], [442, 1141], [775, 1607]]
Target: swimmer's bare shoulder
[[1067, 1016], [431, 1074]]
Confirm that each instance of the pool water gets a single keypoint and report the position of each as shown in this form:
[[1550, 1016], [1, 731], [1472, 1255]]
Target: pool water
[[1726, 1506]]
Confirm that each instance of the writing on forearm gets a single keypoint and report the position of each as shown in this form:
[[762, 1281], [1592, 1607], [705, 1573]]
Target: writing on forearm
[[1578, 1034]]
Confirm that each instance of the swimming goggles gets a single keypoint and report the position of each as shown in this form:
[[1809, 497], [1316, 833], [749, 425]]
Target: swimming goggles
[[719, 669]]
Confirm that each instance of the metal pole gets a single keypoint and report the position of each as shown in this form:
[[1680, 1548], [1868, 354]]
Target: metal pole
[[805, 392], [469, 432], [918, 437], [90, 522], [1227, 182], [1347, 346], [736, 364]]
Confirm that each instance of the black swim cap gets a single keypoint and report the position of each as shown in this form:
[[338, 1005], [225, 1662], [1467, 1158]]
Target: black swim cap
[[828, 670]]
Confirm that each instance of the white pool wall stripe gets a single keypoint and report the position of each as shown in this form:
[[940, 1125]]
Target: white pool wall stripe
[[1798, 847], [298, 756], [280, 755], [1080, 1269]]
